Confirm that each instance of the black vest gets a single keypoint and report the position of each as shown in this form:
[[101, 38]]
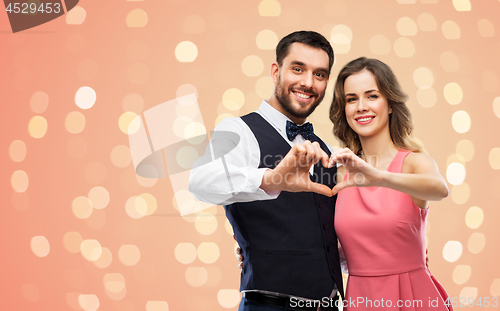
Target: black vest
[[289, 244]]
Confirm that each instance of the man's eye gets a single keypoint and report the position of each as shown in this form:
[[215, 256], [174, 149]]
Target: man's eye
[[320, 75], [297, 69]]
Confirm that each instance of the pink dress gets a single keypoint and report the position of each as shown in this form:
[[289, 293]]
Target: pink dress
[[382, 232]]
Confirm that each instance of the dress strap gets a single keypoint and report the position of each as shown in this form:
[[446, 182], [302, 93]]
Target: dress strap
[[397, 163]]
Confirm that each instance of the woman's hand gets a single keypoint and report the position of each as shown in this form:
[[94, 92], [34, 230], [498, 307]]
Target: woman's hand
[[360, 173]]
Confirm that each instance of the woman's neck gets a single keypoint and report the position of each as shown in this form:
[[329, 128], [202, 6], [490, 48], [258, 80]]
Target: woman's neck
[[378, 150]]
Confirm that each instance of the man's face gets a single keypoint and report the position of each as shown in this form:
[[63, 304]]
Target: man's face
[[301, 80]]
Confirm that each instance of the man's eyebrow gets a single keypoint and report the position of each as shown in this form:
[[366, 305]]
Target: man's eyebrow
[[299, 63]]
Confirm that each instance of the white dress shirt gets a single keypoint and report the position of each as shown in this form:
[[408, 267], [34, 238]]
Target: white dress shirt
[[239, 178]]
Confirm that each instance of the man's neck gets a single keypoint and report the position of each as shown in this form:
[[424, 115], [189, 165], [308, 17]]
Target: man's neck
[[273, 102]]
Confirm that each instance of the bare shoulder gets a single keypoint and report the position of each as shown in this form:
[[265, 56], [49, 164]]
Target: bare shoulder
[[417, 162]]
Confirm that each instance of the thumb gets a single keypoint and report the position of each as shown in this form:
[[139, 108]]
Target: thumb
[[340, 186], [320, 189]]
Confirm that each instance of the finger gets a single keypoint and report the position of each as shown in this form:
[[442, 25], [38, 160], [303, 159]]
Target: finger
[[310, 153], [238, 251], [321, 155], [240, 258], [240, 265], [234, 238], [320, 188]]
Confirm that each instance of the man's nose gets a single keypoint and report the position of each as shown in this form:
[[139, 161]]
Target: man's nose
[[307, 80]]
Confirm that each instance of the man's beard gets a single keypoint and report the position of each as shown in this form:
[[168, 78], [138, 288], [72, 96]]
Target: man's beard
[[285, 101]]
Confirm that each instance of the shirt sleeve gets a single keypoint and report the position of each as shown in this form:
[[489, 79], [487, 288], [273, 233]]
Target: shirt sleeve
[[229, 170]]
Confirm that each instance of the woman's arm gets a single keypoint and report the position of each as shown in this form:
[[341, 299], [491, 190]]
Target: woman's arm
[[420, 177]]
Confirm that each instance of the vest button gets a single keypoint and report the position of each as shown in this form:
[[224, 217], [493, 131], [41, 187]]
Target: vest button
[[328, 248], [319, 205], [324, 226], [333, 271]]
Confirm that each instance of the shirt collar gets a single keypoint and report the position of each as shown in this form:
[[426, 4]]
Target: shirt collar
[[273, 116]]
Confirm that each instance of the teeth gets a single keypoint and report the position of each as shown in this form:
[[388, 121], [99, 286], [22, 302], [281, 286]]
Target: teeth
[[302, 95], [364, 119]]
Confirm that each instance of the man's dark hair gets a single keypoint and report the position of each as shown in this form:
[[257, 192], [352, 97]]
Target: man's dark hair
[[310, 38]]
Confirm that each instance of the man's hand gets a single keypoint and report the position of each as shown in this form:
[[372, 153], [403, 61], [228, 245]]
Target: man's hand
[[238, 252], [292, 173]]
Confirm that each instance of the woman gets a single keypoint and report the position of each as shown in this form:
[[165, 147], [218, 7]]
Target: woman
[[384, 186]]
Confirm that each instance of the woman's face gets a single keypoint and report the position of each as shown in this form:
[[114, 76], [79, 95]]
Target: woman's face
[[367, 111]]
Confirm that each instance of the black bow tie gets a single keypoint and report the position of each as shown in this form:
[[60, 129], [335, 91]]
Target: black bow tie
[[306, 130]]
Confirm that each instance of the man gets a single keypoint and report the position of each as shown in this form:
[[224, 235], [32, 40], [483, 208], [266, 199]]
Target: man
[[275, 182]]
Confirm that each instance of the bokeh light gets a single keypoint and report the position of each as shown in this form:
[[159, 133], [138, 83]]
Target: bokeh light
[[404, 47], [462, 5], [455, 173], [72, 242], [267, 39], [233, 99], [205, 223], [17, 150], [39, 102], [252, 66], [476, 243], [128, 122], [461, 121], [460, 193], [137, 18], [423, 77], [196, 276], [186, 51], [76, 16], [81, 207], [427, 22], [208, 252], [85, 97], [496, 106], [120, 156], [129, 255], [494, 158], [19, 181], [461, 274], [136, 207], [452, 251], [269, 8], [157, 306], [228, 298], [451, 30], [453, 93], [474, 217], [99, 197], [407, 26], [37, 127], [380, 45], [105, 259], [185, 253], [40, 246], [75, 122], [91, 249], [88, 302]]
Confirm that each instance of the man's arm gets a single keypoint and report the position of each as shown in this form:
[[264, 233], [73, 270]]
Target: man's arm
[[228, 171]]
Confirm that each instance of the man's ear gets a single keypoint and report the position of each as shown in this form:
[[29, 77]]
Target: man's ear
[[275, 68]]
